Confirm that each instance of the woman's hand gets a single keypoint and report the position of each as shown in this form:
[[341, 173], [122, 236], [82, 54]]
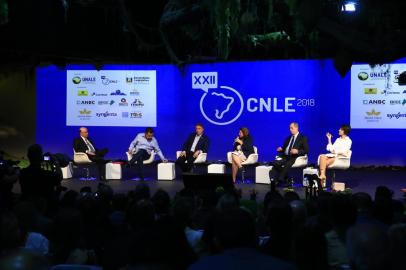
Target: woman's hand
[[329, 136], [238, 140]]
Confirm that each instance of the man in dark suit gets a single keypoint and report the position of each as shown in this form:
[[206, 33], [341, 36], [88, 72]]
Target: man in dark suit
[[295, 145], [195, 144], [85, 145]]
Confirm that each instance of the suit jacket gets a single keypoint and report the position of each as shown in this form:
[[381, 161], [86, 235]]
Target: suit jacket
[[202, 143], [300, 144], [247, 147], [80, 146]]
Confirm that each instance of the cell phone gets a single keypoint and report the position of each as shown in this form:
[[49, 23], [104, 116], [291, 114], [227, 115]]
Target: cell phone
[[47, 158]]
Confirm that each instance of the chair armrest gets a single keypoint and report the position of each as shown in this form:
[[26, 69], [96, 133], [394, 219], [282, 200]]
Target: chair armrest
[[252, 159], [229, 159], [201, 158], [81, 157]]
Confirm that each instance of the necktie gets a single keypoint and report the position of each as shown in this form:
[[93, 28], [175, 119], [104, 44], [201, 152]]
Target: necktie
[[90, 146], [292, 141]]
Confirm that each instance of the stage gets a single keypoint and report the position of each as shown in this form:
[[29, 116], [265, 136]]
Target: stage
[[357, 179]]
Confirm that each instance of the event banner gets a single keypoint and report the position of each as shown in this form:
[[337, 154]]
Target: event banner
[[111, 98], [378, 96]]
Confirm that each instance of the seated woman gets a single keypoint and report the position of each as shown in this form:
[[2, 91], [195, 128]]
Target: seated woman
[[242, 149], [341, 147]]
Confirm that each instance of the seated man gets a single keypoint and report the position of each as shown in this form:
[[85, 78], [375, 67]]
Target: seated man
[[295, 145], [141, 148], [196, 143], [84, 144]]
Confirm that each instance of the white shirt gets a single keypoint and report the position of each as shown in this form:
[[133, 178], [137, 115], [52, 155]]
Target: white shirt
[[294, 137], [341, 146], [196, 140], [89, 145]]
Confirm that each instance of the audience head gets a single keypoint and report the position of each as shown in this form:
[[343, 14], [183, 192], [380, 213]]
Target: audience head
[[149, 133], [344, 130], [161, 201], [243, 132], [227, 202], [83, 132], [235, 228], [367, 247], [299, 212], [363, 202], [199, 129], [294, 128], [183, 210], [343, 212], [141, 192], [34, 154], [141, 215]]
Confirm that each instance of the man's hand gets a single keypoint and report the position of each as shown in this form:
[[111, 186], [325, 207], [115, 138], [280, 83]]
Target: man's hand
[[195, 154], [164, 160], [183, 154], [294, 151], [279, 149]]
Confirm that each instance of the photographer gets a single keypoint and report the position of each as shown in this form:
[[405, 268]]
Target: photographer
[[37, 182]]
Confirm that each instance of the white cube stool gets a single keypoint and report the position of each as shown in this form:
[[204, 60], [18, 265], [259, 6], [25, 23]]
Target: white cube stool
[[262, 174], [216, 168], [113, 171], [67, 171], [310, 171], [166, 171]]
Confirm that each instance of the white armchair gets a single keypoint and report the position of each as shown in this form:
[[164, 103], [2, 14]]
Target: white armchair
[[251, 159], [81, 158], [340, 163], [147, 161], [201, 158], [301, 162]]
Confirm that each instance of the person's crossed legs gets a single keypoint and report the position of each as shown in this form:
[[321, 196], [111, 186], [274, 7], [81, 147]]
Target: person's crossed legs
[[138, 159]]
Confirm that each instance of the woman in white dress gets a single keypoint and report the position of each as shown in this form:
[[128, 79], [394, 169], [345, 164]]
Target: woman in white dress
[[341, 147]]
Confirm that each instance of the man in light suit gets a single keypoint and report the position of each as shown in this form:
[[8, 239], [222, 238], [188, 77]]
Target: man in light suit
[[85, 145], [195, 144], [295, 145]]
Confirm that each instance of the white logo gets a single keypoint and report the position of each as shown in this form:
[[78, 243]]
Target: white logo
[[234, 103]]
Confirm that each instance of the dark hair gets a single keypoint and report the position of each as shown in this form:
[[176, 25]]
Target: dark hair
[[34, 153], [149, 130], [200, 125], [346, 129], [245, 131]]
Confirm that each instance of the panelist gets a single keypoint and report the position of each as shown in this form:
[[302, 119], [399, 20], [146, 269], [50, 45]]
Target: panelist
[[295, 145], [340, 147], [141, 148], [195, 144], [85, 145], [242, 147]]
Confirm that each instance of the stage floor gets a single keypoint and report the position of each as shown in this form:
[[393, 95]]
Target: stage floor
[[359, 180]]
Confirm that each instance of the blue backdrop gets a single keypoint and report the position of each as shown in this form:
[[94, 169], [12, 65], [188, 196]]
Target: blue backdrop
[[266, 96]]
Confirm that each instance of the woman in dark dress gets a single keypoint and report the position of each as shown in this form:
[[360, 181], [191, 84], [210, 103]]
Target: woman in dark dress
[[242, 149]]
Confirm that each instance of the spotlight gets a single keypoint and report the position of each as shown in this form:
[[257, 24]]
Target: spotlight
[[350, 6]]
